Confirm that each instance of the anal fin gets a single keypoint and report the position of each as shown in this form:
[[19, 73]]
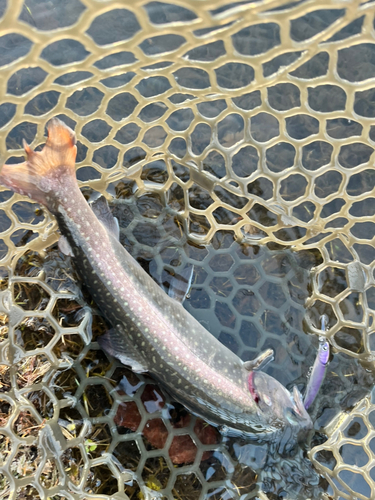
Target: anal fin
[[102, 211]]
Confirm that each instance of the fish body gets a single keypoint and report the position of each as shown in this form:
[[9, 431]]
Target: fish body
[[151, 332]]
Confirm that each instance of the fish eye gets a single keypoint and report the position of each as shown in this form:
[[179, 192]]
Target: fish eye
[[267, 400]]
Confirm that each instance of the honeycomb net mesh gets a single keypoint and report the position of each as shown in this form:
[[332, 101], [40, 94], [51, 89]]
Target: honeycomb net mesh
[[234, 136]]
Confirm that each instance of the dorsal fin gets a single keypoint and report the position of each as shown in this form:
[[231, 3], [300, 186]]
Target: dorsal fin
[[179, 284], [102, 211]]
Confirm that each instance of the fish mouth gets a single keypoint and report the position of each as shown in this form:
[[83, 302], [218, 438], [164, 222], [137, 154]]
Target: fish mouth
[[252, 388]]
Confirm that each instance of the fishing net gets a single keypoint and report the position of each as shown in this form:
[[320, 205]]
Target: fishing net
[[234, 136]]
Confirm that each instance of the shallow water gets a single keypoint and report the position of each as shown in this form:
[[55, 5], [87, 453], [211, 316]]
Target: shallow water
[[247, 131]]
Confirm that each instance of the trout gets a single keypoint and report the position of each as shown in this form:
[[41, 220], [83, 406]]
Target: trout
[[151, 331]]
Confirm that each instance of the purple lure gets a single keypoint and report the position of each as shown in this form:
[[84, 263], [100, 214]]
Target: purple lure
[[319, 368]]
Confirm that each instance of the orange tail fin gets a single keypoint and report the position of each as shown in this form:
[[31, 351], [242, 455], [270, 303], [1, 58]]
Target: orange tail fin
[[42, 174]]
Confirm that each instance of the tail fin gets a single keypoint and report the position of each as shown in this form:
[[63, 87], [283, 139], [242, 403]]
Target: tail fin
[[41, 175]]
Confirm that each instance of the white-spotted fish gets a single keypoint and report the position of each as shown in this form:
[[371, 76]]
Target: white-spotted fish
[[151, 332]]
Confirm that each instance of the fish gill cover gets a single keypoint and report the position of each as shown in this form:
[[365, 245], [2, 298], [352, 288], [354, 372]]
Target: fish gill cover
[[251, 124]]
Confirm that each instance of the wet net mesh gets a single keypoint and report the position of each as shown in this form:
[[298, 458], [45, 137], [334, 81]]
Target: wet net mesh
[[247, 130]]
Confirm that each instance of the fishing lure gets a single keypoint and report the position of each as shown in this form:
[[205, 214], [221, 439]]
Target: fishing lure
[[319, 368]]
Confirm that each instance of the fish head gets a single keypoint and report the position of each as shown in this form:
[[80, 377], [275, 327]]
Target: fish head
[[276, 403]]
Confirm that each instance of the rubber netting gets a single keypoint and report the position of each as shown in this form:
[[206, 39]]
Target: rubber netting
[[247, 129]]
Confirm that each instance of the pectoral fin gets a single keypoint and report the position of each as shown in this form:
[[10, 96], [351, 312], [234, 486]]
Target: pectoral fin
[[113, 342], [297, 397], [260, 361]]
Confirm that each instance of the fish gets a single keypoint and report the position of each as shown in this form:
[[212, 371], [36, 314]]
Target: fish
[[151, 331], [319, 367]]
